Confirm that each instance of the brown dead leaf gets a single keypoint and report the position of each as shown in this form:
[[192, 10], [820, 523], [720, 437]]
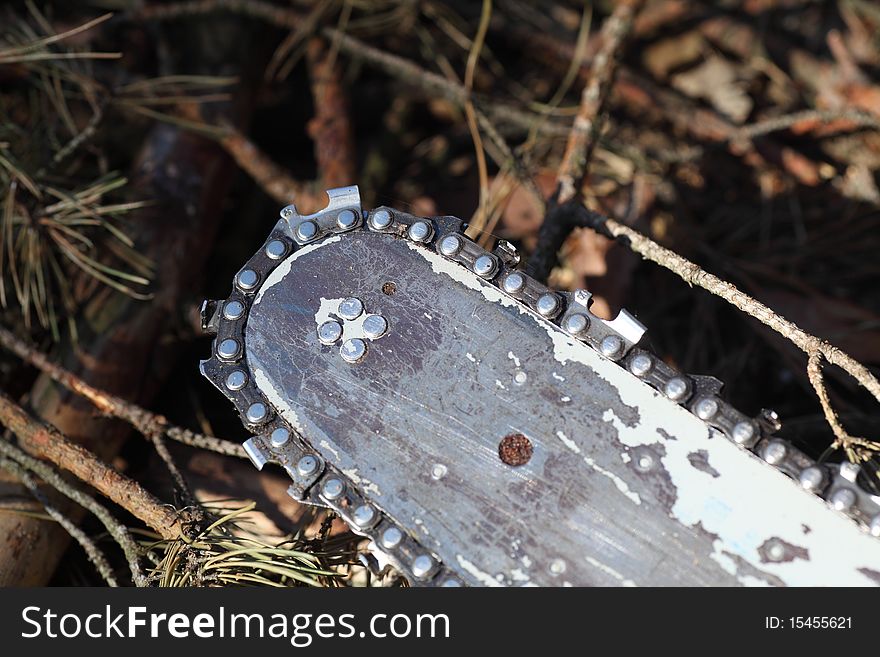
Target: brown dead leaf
[[667, 55], [717, 81]]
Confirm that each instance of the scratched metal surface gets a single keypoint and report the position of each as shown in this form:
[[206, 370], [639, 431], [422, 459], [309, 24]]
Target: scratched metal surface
[[454, 375]]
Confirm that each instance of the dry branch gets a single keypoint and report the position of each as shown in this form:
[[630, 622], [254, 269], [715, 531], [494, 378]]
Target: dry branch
[[330, 128], [815, 348], [588, 122], [47, 442], [147, 423]]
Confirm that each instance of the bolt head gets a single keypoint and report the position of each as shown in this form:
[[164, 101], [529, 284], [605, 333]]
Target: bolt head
[[346, 220], [333, 488], [329, 332], [420, 231], [611, 346], [843, 499], [576, 323], [676, 388], [643, 460], [232, 310], [422, 566], [375, 326], [279, 437], [353, 350], [485, 266], [306, 231], [391, 538], [513, 283], [257, 413], [557, 567], [247, 279], [706, 408], [744, 433], [307, 466], [228, 349], [775, 452], [350, 308], [380, 219], [547, 305], [364, 516], [276, 249], [641, 364], [812, 478], [450, 245], [236, 380]]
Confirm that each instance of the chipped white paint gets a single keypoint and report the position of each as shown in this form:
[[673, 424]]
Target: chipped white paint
[[500, 385], [747, 504], [470, 357], [515, 360], [428, 315], [608, 570], [483, 578], [620, 483], [565, 399], [283, 269], [568, 442], [326, 445], [517, 575], [361, 482]]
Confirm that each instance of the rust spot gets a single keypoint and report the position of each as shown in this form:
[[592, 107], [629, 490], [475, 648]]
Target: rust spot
[[389, 288], [515, 449]]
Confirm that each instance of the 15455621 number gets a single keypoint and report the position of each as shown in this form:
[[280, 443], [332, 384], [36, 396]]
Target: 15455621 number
[[808, 622]]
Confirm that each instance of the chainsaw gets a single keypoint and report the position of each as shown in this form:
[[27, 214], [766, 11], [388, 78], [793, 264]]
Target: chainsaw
[[482, 429]]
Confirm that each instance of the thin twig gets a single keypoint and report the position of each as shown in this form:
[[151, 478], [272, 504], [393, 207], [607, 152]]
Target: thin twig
[[842, 437], [93, 552], [855, 119], [815, 348], [47, 442], [588, 122], [141, 419], [116, 529], [274, 180], [479, 220]]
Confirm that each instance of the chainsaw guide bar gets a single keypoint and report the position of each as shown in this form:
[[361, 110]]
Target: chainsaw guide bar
[[482, 429]]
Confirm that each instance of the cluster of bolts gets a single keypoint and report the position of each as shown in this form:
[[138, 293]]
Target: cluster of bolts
[[352, 350]]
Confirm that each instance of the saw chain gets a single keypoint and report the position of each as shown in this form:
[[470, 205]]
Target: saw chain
[[249, 363]]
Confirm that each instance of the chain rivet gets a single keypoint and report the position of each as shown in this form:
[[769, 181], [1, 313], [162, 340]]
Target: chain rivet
[[333, 488], [233, 310], [276, 249], [306, 231]]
